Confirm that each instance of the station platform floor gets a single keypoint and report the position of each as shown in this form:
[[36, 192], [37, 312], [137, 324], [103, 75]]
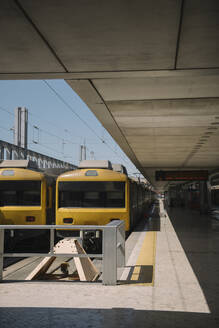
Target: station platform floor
[[171, 279]]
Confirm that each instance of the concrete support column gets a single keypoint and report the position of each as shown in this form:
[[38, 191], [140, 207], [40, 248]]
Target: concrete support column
[[20, 124]]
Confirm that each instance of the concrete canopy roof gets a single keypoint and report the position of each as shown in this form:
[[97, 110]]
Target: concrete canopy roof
[[149, 70]]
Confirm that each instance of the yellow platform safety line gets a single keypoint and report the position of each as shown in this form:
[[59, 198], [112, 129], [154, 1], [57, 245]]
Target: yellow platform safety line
[[143, 273]]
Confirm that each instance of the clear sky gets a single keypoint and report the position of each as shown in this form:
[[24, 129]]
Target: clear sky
[[60, 131]]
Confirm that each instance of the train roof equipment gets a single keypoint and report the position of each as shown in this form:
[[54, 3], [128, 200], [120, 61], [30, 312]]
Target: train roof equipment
[[135, 179], [119, 168], [23, 164], [95, 164]]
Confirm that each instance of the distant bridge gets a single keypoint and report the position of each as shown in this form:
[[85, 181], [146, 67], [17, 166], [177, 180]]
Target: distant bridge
[[10, 151]]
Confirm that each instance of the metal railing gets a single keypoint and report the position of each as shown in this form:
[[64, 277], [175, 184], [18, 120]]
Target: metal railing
[[113, 255]]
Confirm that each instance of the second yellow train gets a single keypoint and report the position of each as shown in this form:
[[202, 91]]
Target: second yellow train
[[95, 194]]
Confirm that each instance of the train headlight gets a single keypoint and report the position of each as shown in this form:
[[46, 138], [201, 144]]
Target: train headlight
[[67, 220], [30, 218]]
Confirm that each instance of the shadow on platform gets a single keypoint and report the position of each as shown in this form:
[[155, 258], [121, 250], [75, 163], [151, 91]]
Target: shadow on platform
[[101, 318], [200, 242]]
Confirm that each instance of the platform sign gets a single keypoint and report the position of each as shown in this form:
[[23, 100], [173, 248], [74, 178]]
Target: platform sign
[[196, 175]]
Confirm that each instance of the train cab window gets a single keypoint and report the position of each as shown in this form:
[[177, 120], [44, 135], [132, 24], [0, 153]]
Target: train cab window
[[20, 193], [115, 198], [92, 194], [92, 199]]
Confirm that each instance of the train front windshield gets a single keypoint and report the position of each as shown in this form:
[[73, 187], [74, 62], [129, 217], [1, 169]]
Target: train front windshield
[[87, 194], [20, 193]]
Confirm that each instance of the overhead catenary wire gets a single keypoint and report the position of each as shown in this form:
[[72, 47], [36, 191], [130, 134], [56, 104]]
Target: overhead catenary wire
[[65, 141], [45, 145], [81, 119], [71, 109], [49, 133], [54, 125], [42, 130], [50, 148], [54, 135], [101, 139]]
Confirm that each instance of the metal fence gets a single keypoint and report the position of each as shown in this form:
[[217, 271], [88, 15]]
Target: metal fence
[[113, 255]]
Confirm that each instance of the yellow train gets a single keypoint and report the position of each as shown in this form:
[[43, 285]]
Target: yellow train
[[26, 197], [94, 194]]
